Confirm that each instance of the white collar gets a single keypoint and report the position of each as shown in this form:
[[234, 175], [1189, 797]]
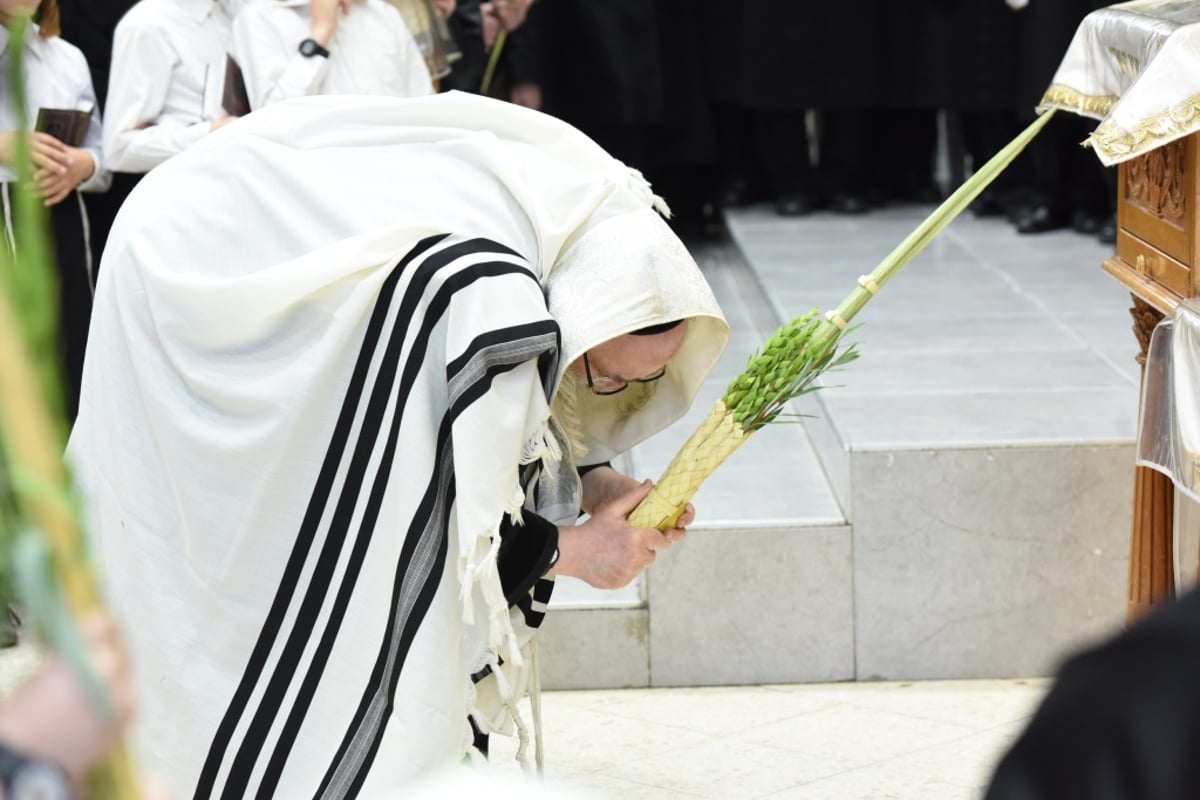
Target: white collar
[[200, 10], [35, 45]]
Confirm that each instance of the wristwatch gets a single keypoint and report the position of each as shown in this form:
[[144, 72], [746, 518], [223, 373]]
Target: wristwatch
[[26, 778], [310, 48]]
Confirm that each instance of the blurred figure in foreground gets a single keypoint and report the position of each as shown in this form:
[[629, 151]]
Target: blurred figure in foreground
[[1122, 721], [49, 733]]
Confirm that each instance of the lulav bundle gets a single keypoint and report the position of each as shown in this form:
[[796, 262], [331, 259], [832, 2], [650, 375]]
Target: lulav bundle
[[41, 532], [796, 355]]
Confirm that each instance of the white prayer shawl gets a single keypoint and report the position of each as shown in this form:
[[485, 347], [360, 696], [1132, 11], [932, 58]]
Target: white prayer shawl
[[324, 341]]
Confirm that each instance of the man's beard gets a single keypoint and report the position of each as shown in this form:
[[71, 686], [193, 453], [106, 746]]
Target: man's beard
[[565, 411], [573, 398]]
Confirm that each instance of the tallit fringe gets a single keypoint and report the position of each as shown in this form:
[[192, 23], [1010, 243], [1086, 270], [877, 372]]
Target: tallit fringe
[[542, 446], [516, 506], [640, 187], [535, 705], [522, 737], [482, 572]]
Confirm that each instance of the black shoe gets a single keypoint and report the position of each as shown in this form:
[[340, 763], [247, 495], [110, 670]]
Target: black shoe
[[794, 205], [925, 195], [987, 205], [740, 192], [846, 203], [1018, 211], [1086, 222], [1108, 231], [1041, 219]]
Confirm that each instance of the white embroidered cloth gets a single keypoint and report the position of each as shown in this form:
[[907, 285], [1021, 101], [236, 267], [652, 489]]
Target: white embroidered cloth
[[1136, 67], [1169, 426]]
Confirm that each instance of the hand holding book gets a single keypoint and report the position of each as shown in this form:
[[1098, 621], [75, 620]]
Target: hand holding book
[[47, 152], [68, 125]]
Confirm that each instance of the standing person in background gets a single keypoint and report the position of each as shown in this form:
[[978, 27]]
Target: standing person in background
[[428, 22], [56, 80], [167, 80], [89, 25], [913, 77], [771, 64], [475, 25], [1070, 187], [982, 96], [632, 75], [296, 48]]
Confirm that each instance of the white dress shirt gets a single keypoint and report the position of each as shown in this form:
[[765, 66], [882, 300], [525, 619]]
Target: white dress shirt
[[168, 72], [372, 52], [56, 76]]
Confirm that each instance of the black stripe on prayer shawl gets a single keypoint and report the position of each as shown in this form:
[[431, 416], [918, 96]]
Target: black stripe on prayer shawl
[[308, 527], [323, 576], [238, 779], [429, 537], [470, 378]]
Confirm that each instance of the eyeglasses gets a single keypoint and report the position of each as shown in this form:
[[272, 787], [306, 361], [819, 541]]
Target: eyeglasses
[[603, 385]]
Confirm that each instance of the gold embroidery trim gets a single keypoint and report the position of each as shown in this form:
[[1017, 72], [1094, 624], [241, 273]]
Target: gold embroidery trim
[[1068, 99], [1119, 144]]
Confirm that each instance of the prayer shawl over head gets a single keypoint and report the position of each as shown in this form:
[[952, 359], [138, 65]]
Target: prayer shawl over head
[[322, 360]]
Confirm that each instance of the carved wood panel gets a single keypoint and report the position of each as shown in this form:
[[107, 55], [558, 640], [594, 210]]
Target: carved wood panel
[[1155, 182]]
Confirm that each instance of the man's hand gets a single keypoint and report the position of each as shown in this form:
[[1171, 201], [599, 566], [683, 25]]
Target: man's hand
[[54, 185], [510, 13], [604, 485], [528, 95], [50, 716], [491, 25], [606, 551], [324, 15], [48, 153], [445, 7], [221, 122]]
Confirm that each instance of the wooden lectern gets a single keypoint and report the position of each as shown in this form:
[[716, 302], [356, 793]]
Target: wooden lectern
[[1134, 67], [1157, 252]]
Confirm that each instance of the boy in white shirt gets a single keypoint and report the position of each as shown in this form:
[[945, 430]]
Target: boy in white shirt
[[295, 48], [167, 80], [56, 79]]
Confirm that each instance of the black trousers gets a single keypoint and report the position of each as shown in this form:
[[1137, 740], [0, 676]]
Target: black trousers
[[70, 249]]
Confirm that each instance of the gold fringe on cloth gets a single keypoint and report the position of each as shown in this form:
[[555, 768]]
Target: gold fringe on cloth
[[1119, 144], [1068, 99]]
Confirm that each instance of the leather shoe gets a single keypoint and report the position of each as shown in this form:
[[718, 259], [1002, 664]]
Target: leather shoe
[[1042, 218], [1108, 231], [846, 203], [987, 205], [795, 205], [739, 192], [1086, 222]]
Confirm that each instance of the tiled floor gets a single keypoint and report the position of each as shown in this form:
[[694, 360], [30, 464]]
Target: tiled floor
[[843, 741], [935, 740]]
